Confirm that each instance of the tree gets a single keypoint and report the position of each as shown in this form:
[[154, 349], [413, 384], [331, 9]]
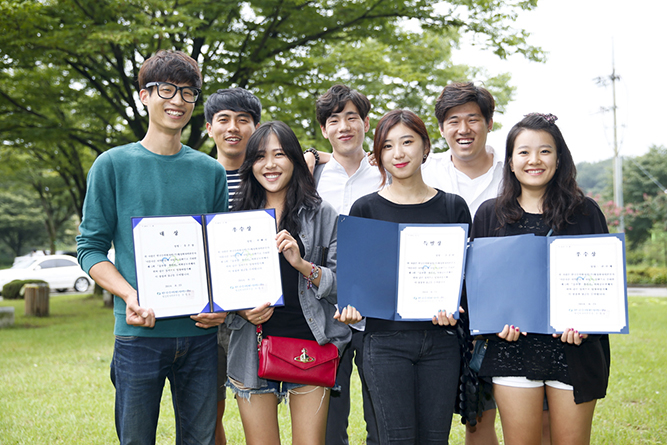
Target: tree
[[386, 71], [596, 178], [20, 221], [641, 176], [24, 176], [68, 68], [652, 248]]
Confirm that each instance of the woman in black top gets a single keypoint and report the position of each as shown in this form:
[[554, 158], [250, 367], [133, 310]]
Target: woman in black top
[[540, 195], [411, 367]]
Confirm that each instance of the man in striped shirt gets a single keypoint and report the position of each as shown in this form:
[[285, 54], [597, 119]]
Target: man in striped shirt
[[232, 116]]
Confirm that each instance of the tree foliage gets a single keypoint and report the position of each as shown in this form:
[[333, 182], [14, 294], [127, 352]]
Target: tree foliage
[[644, 198], [641, 176], [68, 68], [21, 224], [596, 178], [45, 190]]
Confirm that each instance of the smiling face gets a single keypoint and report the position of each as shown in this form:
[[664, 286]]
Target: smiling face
[[403, 152], [534, 160], [346, 130], [167, 115], [465, 130], [273, 169], [231, 130]]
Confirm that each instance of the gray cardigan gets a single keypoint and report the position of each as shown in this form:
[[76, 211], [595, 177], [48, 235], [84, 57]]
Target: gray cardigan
[[318, 231]]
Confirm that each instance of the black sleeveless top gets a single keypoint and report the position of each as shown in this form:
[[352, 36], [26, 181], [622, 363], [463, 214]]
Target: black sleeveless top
[[288, 320], [535, 356]]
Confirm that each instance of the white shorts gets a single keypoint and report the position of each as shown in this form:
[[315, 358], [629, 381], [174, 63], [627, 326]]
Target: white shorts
[[522, 382]]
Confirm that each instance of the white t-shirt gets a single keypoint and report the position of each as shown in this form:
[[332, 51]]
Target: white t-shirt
[[341, 190], [438, 171]]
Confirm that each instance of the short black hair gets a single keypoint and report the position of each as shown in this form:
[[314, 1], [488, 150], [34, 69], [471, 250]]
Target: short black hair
[[234, 99], [170, 66], [460, 93], [334, 100]]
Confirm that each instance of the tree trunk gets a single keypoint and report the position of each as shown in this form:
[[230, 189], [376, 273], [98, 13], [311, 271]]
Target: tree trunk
[[37, 300]]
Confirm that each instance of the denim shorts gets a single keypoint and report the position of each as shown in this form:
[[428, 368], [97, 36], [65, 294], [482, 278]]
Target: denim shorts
[[280, 389]]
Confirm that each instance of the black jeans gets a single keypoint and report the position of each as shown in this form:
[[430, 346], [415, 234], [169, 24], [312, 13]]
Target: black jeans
[[412, 377], [339, 403]]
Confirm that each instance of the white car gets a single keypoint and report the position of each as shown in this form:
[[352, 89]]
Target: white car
[[61, 272]]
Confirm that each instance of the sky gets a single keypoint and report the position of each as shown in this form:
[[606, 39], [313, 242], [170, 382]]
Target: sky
[[578, 36]]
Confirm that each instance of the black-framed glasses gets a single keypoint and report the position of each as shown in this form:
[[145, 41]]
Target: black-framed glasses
[[168, 90]]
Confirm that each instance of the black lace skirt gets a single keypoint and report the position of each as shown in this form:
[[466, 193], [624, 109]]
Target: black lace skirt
[[536, 357]]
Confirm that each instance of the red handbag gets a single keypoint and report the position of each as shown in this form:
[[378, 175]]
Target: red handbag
[[297, 361]]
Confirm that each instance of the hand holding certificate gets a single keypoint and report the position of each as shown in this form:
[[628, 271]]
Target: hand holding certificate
[[548, 284], [415, 270], [587, 281], [206, 263]]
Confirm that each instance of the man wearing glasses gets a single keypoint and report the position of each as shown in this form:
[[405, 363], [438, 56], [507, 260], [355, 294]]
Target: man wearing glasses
[[155, 176]]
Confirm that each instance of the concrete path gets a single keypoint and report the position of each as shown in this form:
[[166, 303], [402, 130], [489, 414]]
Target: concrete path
[[647, 291]]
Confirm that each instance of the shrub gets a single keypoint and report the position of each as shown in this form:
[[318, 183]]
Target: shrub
[[647, 275], [12, 290]]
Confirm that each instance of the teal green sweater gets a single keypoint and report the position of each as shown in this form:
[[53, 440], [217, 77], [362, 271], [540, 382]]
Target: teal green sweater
[[130, 181]]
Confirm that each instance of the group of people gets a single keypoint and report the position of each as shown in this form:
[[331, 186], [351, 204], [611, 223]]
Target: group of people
[[409, 370]]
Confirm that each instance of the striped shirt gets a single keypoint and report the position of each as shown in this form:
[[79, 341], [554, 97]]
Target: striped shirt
[[233, 183]]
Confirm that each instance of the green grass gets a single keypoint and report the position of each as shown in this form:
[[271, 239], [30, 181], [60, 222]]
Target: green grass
[[55, 387]]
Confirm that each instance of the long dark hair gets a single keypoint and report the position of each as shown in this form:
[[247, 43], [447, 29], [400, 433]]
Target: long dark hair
[[301, 191], [389, 121], [562, 197]]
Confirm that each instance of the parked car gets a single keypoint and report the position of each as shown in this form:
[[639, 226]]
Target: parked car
[[60, 271]]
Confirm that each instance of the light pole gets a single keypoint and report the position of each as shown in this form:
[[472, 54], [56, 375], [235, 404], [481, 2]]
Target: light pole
[[618, 160]]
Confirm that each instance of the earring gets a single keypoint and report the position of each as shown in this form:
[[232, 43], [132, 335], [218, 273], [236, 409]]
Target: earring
[[424, 158]]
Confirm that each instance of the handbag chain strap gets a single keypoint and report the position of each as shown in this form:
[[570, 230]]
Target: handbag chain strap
[[259, 336]]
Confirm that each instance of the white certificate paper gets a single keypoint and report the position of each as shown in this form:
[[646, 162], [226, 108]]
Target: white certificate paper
[[430, 270], [171, 270], [191, 264], [244, 262], [587, 284]]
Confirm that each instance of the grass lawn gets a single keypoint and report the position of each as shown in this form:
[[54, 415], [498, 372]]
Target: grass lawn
[[55, 387]]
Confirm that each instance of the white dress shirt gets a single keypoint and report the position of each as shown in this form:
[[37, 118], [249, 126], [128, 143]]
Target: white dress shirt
[[438, 171], [341, 190]]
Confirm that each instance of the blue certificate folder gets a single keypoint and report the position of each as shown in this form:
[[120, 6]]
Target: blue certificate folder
[[189, 264], [368, 266], [509, 280]]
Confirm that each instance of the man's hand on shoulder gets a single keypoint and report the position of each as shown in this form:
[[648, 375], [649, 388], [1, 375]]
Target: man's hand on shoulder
[[312, 162], [371, 159]]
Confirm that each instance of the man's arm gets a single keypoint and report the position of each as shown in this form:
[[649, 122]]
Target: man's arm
[[310, 159], [106, 275]]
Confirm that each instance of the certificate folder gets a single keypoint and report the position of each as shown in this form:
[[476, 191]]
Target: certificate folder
[[206, 263], [545, 285], [400, 271]]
